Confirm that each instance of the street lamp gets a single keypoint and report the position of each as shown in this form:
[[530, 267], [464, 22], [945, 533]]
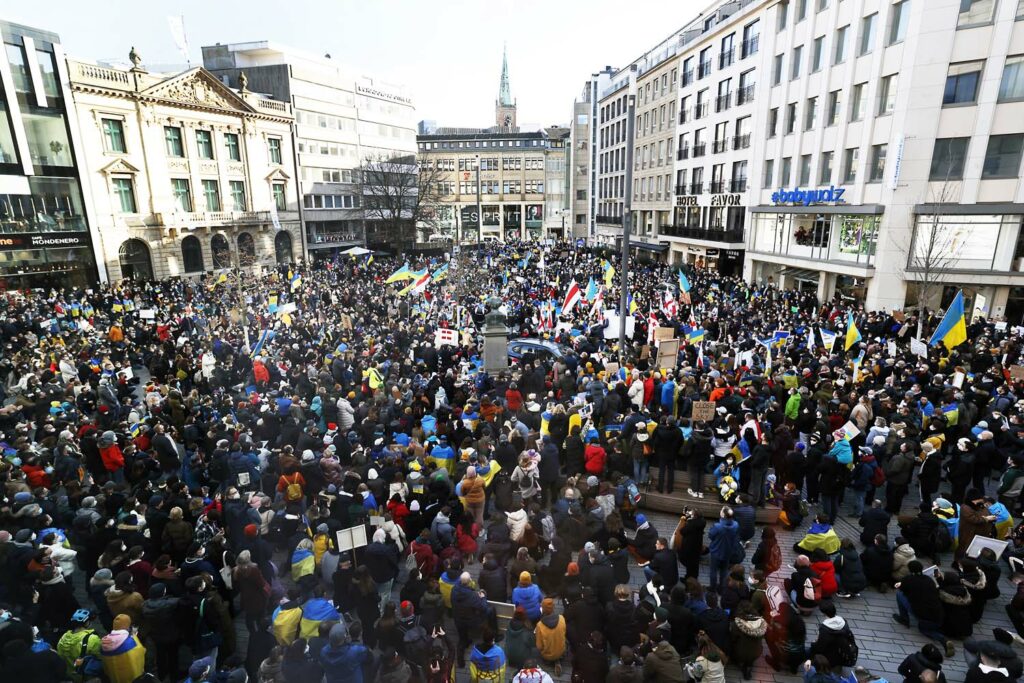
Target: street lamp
[[627, 224]]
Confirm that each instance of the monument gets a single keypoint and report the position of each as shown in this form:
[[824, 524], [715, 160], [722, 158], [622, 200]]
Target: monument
[[495, 338]]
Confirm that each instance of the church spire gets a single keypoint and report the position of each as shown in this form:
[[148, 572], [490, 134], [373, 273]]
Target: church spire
[[504, 91]]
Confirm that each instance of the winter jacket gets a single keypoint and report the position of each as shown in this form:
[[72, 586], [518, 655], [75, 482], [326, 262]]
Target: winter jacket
[[123, 657], [520, 643], [747, 635], [722, 538], [956, 617], [832, 634], [850, 571], [344, 663], [622, 627], [493, 581], [550, 633], [663, 665], [923, 596], [125, 602], [529, 598], [160, 620], [582, 617], [826, 572], [901, 557]]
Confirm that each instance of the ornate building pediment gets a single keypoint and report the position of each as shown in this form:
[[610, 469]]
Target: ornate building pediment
[[198, 88], [119, 167], [277, 174]]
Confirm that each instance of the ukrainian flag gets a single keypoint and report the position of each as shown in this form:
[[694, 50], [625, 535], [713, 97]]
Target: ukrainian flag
[[314, 612], [695, 335], [296, 281], [952, 331], [272, 303], [446, 584], [443, 457], [852, 333], [135, 430], [402, 273], [440, 273], [303, 563], [632, 305], [609, 273], [684, 284]]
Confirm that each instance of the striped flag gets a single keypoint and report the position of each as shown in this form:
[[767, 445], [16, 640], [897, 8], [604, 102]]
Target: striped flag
[[572, 297], [265, 336]]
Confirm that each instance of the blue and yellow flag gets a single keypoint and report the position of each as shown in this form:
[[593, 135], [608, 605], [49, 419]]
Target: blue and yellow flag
[[440, 273], [684, 284], [272, 303], [296, 281], [591, 292], [695, 335], [609, 273], [402, 273], [632, 305], [852, 333], [952, 331], [303, 563]]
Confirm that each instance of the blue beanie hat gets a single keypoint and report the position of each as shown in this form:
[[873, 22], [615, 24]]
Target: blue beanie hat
[[640, 519]]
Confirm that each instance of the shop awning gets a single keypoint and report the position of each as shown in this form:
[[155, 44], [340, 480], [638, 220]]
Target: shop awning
[[647, 246], [800, 274]]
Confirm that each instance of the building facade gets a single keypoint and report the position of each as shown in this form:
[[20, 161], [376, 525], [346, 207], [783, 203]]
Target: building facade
[[583, 156], [186, 175], [47, 235], [343, 120], [654, 147]]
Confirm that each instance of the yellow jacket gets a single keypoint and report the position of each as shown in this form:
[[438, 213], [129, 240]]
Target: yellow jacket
[[551, 639]]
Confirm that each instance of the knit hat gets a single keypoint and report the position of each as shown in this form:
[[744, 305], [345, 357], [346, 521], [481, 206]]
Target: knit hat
[[251, 530], [572, 569], [122, 622], [525, 579], [104, 574], [406, 609], [197, 671], [414, 506], [322, 529], [640, 519], [547, 606], [338, 634], [157, 590]]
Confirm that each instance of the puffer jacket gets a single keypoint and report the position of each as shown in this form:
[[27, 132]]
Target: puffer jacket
[[956, 611], [901, 557], [663, 665], [550, 634], [747, 634]]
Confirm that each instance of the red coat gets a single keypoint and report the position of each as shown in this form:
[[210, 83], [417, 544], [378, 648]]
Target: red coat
[[826, 571], [594, 457], [514, 400], [426, 560], [113, 458], [36, 476], [259, 372]]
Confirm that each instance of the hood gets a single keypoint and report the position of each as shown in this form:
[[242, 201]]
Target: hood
[[665, 651], [975, 584], [755, 628], [819, 528], [836, 623], [156, 605], [490, 564], [550, 620], [904, 550], [955, 595], [116, 642]]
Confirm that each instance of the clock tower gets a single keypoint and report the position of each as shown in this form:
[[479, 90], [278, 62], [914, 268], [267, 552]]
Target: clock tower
[[505, 106]]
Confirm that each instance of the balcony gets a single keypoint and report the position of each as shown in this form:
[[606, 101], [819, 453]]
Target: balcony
[[741, 141], [684, 115], [723, 102], [701, 110], [683, 153], [681, 189], [710, 235], [726, 58], [610, 220], [214, 218], [749, 47], [704, 69], [719, 146], [699, 150], [717, 186], [687, 78], [696, 188], [745, 94], [738, 185]]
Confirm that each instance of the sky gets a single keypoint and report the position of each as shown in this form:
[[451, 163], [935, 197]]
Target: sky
[[447, 53]]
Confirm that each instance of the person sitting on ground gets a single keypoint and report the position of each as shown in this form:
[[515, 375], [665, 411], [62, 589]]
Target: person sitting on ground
[[820, 535]]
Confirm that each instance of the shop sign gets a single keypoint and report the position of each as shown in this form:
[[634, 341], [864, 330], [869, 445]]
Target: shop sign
[[821, 195], [470, 216], [712, 253], [695, 250], [733, 254], [42, 240], [725, 200], [686, 200]]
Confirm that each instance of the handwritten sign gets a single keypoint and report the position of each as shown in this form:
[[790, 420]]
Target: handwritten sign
[[704, 410], [919, 348]]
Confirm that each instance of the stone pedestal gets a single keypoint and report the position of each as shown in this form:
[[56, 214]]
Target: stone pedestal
[[495, 348]]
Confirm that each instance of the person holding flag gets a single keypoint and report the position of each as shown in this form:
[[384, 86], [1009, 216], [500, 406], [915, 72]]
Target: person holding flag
[[852, 333], [952, 331]]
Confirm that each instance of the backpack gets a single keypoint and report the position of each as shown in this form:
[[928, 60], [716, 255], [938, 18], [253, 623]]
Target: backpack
[[87, 665], [877, 476], [848, 650], [812, 592], [941, 538], [294, 490], [416, 645]]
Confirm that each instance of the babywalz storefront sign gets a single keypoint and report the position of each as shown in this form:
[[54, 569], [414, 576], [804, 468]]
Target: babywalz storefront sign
[[800, 197]]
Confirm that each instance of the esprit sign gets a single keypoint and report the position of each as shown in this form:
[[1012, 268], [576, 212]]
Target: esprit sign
[[829, 195]]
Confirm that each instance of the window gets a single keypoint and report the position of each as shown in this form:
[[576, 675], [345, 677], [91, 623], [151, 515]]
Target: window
[[783, 16], [818, 54], [948, 158], [204, 144], [787, 167], [811, 113], [769, 172], [801, 10], [822, 5], [835, 105], [687, 71], [857, 101], [751, 38], [746, 92], [1020, 10], [798, 58], [1012, 86], [898, 19], [182, 194], [172, 141], [728, 54], [113, 136], [211, 194], [805, 170], [231, 144], [237, 188], [839, 53], [489, 164], [19, 69], [704, 67], [975, 13], [790, 117], [125, 194], [48, 142], [49, 75], [877, 168], [274, 147], [850, 158], [962, 83], [777, 66], [1002, 158], [825, 172], [887, 95], [773, 121], [867, 34], [192, 254]]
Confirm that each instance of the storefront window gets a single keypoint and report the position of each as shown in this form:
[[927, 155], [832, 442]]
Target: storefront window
[[858, 235], [47, 139], [958, 242], [812, 231], [55, 205], [837, 237]]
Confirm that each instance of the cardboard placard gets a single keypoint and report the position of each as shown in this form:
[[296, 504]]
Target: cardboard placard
[[851, 431], [376, 521], [147, 314], [1017, 372], [668, 354], [645, 352], [704, 410], [663, 333], [979, 543], [611, 370], [919, 348], [958, 379], [351, 538], [446, 336]]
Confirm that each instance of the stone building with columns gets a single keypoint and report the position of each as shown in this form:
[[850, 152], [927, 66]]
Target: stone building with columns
[[184, 174]]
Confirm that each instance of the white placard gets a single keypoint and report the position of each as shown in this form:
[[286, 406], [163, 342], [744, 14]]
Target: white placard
[[851, 431], [286, 308], [147, 314], [351, 538], [919, 348], [612, 330], [446, 336], [958, 379], [892, 349], [979, 543], [376, 521], [1001, 326]]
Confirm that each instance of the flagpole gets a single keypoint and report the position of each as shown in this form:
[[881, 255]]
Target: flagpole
[[627, 226]]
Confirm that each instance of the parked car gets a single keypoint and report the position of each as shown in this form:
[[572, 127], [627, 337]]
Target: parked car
[[542, 348]]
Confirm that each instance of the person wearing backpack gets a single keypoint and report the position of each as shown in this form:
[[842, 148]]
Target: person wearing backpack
[[835, 639], [79, 647], [291, 485]]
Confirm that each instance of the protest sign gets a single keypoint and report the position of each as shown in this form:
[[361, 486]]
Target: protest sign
[[704, 410]]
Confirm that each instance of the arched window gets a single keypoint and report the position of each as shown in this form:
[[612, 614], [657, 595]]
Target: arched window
[[135, 261], [283, 247], [192, 254], [246, 250], [221, 250]]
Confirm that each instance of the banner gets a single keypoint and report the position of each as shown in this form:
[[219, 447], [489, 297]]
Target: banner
[[443, 337]]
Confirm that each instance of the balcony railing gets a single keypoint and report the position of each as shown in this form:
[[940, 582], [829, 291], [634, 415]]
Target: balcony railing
[[700, 111], [684, 115], [610, 220], [726, 58], [723, 102], [710, 235], [704, 69], [741, 141], [745, 94], [717, 186], [699, 150], [203, 218], [696, 188], [687, 77], [683, 153], [749, 47], [681, 189], [738, 185], [719, 146]]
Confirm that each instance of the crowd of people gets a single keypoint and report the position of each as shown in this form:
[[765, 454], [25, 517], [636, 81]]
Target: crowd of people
[[295, 451]]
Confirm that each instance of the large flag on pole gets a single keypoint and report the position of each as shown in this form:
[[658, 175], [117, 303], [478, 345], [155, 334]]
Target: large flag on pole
[[591, 292], [402, 273], [852, 333], [572, 297], [684, 284], [952, 331]]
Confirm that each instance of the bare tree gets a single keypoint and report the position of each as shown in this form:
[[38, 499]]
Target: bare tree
[[402, 195], [931, 251]]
